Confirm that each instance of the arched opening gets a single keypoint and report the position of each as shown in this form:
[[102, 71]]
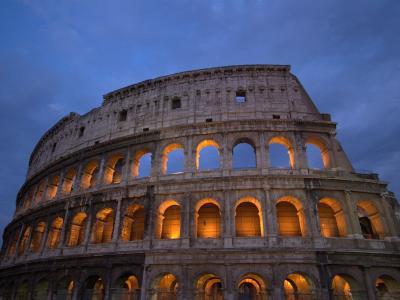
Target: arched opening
[[345, 287], [126, 288], [40, 191], [114, 169], [173, 159], [38, 233], [22, 291], [208, 219], [252, 287], [89, 175], [55, 233], [209, 287], [93, 289], [142, 163], [298, 287], [103, 226], [165, 288], [64, 289], [41, 290], [69, 180], [281, 153], [244, 155], [28, 199], [52, 187], [387, 288], [23, 244], [370, 220], [331, 218], [291, 220], [77, 229], [207, 155], [171, 222], [317, 154], [248, 218], [13, 244], [133, 223]]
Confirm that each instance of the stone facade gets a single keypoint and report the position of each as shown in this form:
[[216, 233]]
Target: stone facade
[[87, 225]]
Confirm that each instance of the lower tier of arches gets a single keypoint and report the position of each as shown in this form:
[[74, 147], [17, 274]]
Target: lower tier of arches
[[207, 275]]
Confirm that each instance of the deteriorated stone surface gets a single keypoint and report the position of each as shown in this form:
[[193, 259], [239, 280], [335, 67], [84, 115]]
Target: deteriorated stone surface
[[276, 106]]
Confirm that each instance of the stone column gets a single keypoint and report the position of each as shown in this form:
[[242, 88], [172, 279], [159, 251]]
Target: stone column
[[300, 152], [185, 220], [100, 175], [44, 196], [190, 155], [311, 213], [226, 156], [88, 228], [117, 223], [44, 238], [107, 287], [391, 223], [228, 221], [369, 284], [264, 153], [64, 228], [270, 216], [60, 184], [77, 183], [353, 217], [23, 227], [127, 174]]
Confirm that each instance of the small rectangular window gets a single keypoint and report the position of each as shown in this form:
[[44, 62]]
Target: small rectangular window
[[240, 97], [81, 131], [123, 115], [54, 147], [176, 103], [138, 108], [209, 120], [276, 117], [145, 129]]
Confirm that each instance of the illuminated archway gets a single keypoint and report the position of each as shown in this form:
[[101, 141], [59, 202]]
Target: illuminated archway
[[298, 286], [370, 220], [103, 226], [387, 288], [169, 220], [55, 233], [248, 218], [173, 159], [77, 229], [314, 156], [165, 287], [93, 288], [89, 175], [252, 287], [208, 287], [40, 191], [290, 216], [114, 168], [244, 154], [126, 288], [133, 223], [38, 233], [69, 180], [23, 244], [281, 156], [208, 219], [52, 187], [13, 244], [345, 287], [142, 163], [207, 155], [331, 218], [64, 289]]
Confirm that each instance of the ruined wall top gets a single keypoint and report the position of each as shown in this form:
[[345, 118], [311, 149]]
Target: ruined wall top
[[231, 93]]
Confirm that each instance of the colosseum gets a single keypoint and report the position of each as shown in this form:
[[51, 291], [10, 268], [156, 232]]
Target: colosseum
[[201, 185]]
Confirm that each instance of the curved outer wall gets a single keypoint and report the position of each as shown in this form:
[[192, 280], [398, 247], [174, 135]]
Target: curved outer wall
[[143, 118]]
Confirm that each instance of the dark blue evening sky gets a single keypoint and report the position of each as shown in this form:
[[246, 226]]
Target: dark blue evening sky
[[61, 56]]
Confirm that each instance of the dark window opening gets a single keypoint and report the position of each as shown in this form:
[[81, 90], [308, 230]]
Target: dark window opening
[[276, 117], [240, 97], [54, 147], [138, 107], [145, 129], [209, 120], [176, 103], [123, 115], [81, 131]]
